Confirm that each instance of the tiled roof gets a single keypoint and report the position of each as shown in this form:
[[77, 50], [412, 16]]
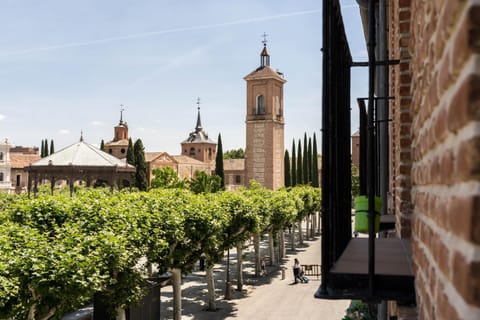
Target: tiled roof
[[21, 160], [188, 160], [81, 154], [265, 72]]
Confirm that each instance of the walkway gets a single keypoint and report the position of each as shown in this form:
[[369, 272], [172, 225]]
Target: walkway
[[264, 298]]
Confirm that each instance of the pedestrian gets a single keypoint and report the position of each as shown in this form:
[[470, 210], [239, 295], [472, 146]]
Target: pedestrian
[[297, 270], [262, 267]]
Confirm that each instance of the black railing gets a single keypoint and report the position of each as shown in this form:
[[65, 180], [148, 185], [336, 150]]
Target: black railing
[[336, 159]]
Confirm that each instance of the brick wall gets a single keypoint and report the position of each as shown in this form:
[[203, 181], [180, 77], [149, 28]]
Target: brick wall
[[436, 150]]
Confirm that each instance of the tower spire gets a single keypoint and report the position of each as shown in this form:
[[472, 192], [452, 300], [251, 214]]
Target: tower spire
[[121, 114], [198, 127], [264, 56]]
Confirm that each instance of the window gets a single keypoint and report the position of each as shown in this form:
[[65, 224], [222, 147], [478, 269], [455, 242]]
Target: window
[[209, 153], [1, 156], [110, 151], [18, 180], [192, 151], [1, 176], [122, 151], [260, 107], [238, 179]]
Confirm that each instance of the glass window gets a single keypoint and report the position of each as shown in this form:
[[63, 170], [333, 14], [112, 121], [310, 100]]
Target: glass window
[[1, 156], [1, 176], [238, 179]]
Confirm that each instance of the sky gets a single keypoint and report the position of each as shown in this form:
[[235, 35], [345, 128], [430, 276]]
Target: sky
[[66, 67]]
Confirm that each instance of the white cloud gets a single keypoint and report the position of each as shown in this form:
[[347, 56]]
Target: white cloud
[[2, 117], [97, 123], [64, 131]]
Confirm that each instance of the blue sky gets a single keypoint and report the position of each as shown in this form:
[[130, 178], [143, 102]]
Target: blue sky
[[67, 66]]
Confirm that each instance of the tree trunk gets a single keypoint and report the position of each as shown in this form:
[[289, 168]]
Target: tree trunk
[[282, 245], [271, 249], [292, 237], [212, 306], [120, 314], [300, 232], [307, 227], [177, 293], [256, 246], [239, 266]]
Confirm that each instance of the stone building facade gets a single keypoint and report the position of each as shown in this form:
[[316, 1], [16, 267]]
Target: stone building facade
[[264, 152], [435, 150], [119, 145]]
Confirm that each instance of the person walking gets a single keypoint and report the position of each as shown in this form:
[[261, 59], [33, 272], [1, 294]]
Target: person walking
[[297, 270]]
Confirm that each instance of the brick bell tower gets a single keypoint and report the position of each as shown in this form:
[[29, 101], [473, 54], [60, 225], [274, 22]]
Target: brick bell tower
[[264, 152]]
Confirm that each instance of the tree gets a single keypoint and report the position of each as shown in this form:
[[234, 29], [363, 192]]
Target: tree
[[294, 165], [305, 160], [288, 177], [52, 147], [130, 153], [315, 181], [45, 145], [203, 183], [299, 163], [141, 166], [166, 178], [42, 149], [102, 145], [234, 154], [310, 161], [219, 163]]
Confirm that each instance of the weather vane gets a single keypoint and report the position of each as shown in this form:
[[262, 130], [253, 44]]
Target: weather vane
[[264, 41], [198, 103]]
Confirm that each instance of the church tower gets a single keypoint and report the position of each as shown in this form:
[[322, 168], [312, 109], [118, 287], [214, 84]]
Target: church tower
[[264, 152], [119, 145], [198, 145]]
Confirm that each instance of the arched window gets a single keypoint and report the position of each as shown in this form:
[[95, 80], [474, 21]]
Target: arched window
[[1, 176], [192, 151], [260, 108]]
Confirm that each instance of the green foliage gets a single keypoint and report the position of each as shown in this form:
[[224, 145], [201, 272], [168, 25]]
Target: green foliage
[[234, 154], [315, 180], [306, 168], [102, 145], [167, 178], [52, 147], [141, 166], [294, 165], [203, 183], [130, 153], [359, 310], [219, 163], [299, 164], [355, 181], [287, 174]]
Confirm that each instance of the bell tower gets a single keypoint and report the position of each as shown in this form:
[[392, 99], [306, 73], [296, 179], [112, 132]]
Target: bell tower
[[265, 123]]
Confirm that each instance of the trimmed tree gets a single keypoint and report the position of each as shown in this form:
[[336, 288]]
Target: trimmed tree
[[288, 177], [45, 145], [130, 152], [219, 163], [52, 147], [310, 161], [299, 163], [141, 166], [315, 182], [294, 165], [305, 160], [42, 149], [102, 145]]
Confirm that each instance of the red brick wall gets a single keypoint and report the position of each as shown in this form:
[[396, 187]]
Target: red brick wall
[[436, 150]]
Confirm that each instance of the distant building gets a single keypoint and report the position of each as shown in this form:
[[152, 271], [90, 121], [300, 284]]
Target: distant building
[[5, 166], [356, 148], [119, 145]]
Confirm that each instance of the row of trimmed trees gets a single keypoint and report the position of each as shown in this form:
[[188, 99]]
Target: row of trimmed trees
[[302, 166], [57, 251], [44, 150]]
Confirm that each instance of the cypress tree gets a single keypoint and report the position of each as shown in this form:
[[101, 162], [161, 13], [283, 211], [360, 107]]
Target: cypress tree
[[288, 178], [141, 166], [102, 145], [299, 163], [130, 152], [294, 165], [42, 150], [45, 145], [219, 163], [52, 147], [305, 159], [315, 181], [310, 161]]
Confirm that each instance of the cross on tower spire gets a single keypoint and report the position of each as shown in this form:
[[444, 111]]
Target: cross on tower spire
[[121, 113], [264, 56], [199, 122], [264, 41]]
